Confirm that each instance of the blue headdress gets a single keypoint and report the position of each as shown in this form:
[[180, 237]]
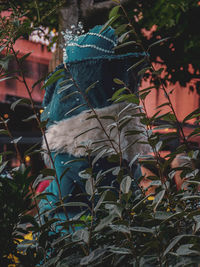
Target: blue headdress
[[91, 58]]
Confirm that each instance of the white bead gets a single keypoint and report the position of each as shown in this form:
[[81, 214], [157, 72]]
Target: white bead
[[91, 46]]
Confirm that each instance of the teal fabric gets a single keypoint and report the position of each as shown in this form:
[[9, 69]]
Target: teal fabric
[[92, 44], [86, 72]]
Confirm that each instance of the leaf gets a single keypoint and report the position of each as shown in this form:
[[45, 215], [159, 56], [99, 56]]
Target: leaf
[[54, 77], [117, 93], [69, 95], [100, 201], [7, 78], [86, 131], [32, 117], [20, 101], [5, 132], [89, 186], [114, 11], [4, 62], [124, 36], [24, 57], [158, 146], [118, 81], [109, 23], [99, 155], [162, 215], [105, 222], [93, 256], [91, 87], [185, 250], [120, 228], [75, 108], [121, 29], [142, 71], [192, 115], [158, 42], [158, 72], [144, 95], [39, 81], [125, 44], [81, 235], [2, 166], [175, 240], [158, 198], [126, 184], [136, 64], [134, 160], [141, 229], [16, 140], [63, 88]]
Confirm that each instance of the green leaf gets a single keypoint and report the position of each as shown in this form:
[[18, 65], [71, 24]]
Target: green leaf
[[100, 201], [86, 131], [124, 36], [142, 71], [5, 132], [32, 117], [118, 81], [81, 235], [158, 72], [175, 240], [99, 155], [4, 62], [3, 165], [120, 29], [89, 187], [93, 256], [136, 64], [141, 229], [114, 11], [69, 95], [24, 57], [75, 108], [158, 42], [55, 77], [39, 81], [7, 78], [16, 140], [19, 102], [105, 222], [126, 184], [91, 87], [123, 251], [63, 88], [158, 198], [192, 115], [117, 93], [109, 23], [125, 44], [144, 95]]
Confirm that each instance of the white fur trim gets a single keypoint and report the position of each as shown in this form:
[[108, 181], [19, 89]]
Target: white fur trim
[[61, 136]]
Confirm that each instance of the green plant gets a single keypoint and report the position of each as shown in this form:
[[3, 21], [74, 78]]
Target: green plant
[[115, 229]]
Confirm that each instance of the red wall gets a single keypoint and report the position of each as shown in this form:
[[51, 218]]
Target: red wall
[[36, 65]]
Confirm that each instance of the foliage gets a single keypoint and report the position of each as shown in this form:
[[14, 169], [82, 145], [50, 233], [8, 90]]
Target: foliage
[[126, 228]]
